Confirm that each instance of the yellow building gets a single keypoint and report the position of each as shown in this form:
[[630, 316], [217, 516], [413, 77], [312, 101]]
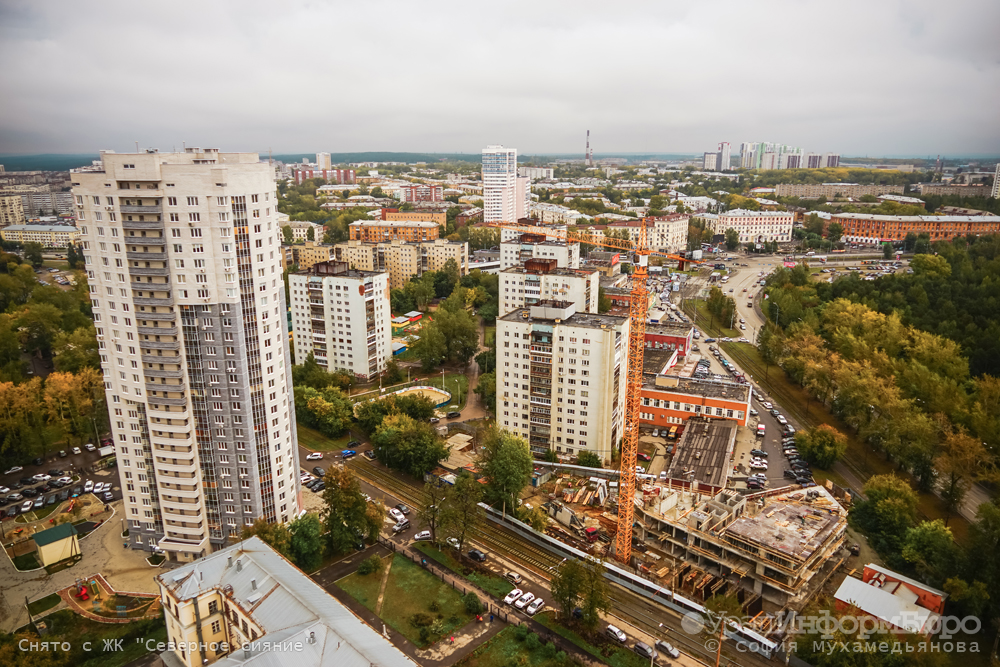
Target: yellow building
[[247, 605], [11, 210], [437, 217], [50, 236], [403, 259], [305, 255], [57, 544]]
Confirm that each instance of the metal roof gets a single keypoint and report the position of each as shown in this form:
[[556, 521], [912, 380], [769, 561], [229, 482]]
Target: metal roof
[[289, 607], [884, 605], [54, 534]]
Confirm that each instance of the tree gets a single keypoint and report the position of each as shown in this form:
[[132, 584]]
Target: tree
[[403, 444], [603, 302], [487, 361], [329, 411], [275, 535], [487, 390], [371, 413], [594, 598], [887, 251], [963, 460], [460, 511], [506, 462], [823, 445], [33, 254], [74, 351], [835, 231], [931, 549], [311, 234], [430, 514], [392, 373], [566, 585], [732, 239], [287, 234], [306, 545], [348, 517], [887, 513], [588, 458]]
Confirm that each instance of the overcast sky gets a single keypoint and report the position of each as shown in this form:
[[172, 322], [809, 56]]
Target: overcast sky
[[871, 77]]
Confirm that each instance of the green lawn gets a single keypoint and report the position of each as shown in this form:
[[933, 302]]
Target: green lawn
[[26, 561], [65, 626], [413, 591], [37, 514], [614, 655], [363, 587], [313, 439], [506, 649], [44, 604], [498, 587], [489, 335]]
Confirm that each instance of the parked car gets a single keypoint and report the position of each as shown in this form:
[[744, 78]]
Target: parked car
[[403, 508], [77, 490], [535, 605], [4, 489], [65, 480], [453, 414], [314, 456], [55, 472], [644, 457], [369, 454], [75, 450], [15, 497], [26, 507], [318, 488], [477, 555], [62, 454], [353, 444], [513, 595], [348, 453], [644, 650], [30, 493], [401, 526], [434, 420], [52, 499], [513, 577], [523, 601], [758, 452], [668, 649], [396, 515], [39, 503], [37, 461], [616, 634], [422, 535], [64, 495], [319, 472], [108, 497], [790, 474], [88, 486], [453, 543], [90, 448]]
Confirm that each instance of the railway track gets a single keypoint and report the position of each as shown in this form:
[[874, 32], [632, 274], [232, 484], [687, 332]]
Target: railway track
[[627, 606]]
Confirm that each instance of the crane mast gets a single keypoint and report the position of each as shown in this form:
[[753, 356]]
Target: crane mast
[[638, 311]]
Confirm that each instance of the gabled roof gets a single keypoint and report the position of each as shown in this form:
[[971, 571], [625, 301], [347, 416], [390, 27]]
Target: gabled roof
[[884, 605]]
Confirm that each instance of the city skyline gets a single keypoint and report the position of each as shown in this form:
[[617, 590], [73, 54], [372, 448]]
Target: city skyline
[[240, 75]]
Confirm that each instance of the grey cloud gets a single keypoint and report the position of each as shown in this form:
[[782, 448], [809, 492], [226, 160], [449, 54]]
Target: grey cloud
[[854, 77]]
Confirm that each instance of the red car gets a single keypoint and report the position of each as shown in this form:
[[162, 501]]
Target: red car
[[644, 457]]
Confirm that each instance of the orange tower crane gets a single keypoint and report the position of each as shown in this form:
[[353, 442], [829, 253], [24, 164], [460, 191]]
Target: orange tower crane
[[638, 311]]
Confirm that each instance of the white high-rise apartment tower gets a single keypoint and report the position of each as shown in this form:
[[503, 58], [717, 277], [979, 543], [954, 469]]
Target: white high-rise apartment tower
[[724, 162], [323, 161], [182, 252], [995, 193], [499, 184]]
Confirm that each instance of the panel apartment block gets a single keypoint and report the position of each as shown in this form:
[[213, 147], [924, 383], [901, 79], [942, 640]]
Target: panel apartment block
[[563, 378], [542, 280], [182, 252], [499, 184], [377, 231], [535, 246], [342, 316], [403, 259]]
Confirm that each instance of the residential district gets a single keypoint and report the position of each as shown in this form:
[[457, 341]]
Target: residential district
[[578, 410]]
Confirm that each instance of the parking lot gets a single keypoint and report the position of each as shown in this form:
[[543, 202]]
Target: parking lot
[[47, 481]]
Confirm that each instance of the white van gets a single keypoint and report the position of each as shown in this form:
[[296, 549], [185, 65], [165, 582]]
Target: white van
[[760, 430]]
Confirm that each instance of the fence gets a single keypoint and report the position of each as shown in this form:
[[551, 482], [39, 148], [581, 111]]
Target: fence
[[493, 607]]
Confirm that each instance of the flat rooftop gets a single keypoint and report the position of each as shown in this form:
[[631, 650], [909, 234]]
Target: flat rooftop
[[654, 361], [334, 269], [669, 328], [795, 530], [731, 391], [704, 451], [575, 320], [394, 223], [576, 273]]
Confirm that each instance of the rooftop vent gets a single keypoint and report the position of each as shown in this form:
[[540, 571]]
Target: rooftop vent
[[239, 566], [253, 584]]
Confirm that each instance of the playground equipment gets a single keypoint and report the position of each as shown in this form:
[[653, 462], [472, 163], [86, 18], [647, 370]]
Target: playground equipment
[[82, 594]]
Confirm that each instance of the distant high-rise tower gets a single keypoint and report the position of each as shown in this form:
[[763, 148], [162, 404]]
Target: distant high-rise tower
[[323, 161], [723, 163], [499, 184], [996, 183], [589, 155]]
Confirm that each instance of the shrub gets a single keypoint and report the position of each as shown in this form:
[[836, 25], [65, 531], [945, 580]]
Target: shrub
[[533, 642], [472, 603], [549, 650], [521, 633], [369, 565], [434, 606], [561, 657], [425, 635], [421, 620]]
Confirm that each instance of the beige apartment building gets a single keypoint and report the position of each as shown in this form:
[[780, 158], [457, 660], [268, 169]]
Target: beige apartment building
[[11, 210], [248, 605], [305, 255], [959, 190], [561, 378], [50, 236], [377, 231], [541, 279], [183, 257], [831, 190], [437, 217], [403, 259]]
